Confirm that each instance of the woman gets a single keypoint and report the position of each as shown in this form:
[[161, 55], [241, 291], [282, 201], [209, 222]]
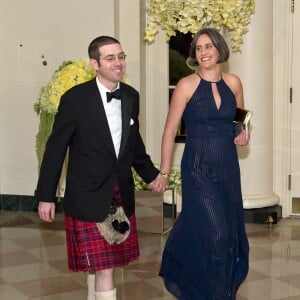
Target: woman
[[206, 254]]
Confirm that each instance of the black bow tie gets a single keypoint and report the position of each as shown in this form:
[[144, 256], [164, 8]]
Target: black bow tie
[[115, 94]]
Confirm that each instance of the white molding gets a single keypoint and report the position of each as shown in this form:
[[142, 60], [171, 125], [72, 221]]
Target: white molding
[[156, 93], [281, 107]]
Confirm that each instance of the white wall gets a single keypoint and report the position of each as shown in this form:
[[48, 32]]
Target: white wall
[[60, 30]]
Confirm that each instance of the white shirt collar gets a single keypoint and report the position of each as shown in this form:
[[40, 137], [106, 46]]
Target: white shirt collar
[[103, 89]]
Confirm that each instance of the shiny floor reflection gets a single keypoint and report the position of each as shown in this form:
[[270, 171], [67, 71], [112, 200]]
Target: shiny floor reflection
[[33, 260]]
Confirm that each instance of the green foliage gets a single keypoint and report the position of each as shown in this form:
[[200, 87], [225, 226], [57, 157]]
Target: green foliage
[[45, 128]]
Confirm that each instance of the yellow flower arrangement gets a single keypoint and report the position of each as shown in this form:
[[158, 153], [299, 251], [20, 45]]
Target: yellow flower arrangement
[[68, 75], [185, 16]]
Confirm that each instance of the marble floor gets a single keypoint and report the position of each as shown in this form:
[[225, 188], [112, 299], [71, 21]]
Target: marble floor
[[33, 259]]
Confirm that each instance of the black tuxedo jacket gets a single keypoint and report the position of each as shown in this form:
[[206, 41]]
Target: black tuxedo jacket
[[82, 128]]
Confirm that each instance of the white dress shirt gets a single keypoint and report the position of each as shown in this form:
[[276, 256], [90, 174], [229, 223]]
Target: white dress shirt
[[113, 115]]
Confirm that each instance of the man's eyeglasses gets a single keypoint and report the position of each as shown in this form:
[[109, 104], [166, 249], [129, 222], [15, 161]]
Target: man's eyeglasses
[[111, 57]]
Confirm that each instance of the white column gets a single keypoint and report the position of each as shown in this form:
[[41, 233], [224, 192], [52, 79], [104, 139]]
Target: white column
[[254, 66], [147, 69], [127, 30]]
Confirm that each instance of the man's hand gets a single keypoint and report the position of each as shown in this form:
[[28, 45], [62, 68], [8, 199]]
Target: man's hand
[[46, 211], [159, 184]]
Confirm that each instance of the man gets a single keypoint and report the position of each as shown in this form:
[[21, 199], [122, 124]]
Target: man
[[101, 132]]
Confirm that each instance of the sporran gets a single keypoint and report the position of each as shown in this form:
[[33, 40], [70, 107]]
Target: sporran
[[115, 228]]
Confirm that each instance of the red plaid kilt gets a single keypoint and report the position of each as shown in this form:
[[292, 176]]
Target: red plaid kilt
[[88, 251]]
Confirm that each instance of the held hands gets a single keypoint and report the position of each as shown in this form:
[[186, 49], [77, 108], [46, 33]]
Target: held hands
[[159, 184], [46, 211], [242, 139]]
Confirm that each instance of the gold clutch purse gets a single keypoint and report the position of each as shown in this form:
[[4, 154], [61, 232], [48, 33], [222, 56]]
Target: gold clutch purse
[[242, 119]]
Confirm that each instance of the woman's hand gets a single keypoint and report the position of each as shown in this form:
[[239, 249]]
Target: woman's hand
[[242, 139]]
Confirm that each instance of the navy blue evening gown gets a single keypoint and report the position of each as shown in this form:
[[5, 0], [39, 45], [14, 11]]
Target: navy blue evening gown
[[206, 254]]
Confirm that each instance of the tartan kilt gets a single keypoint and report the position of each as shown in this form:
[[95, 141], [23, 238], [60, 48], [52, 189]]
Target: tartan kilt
[[88, 251]]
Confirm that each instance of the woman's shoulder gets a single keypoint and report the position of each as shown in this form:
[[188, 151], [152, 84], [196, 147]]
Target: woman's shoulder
[[186, 86], [231, 78], [235, 85], [188, 81]]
